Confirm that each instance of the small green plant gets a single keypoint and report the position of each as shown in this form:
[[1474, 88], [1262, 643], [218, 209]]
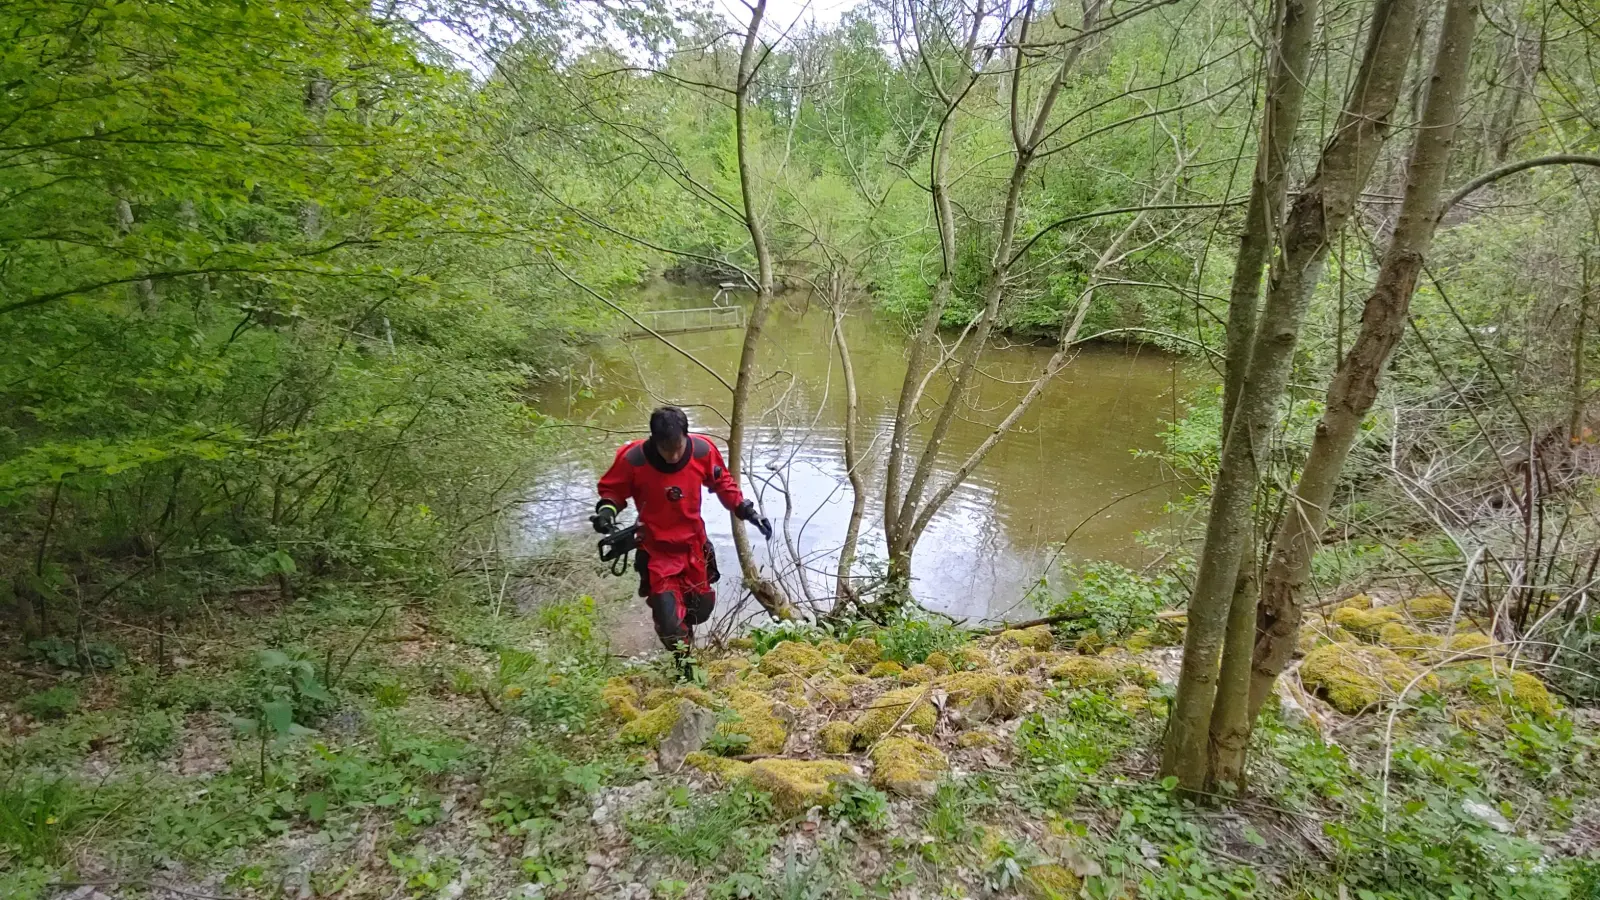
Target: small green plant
[[52, 704], [912, 636], [865, 807], [35, 816], [765, 637], [284, 689], [1009, 859], [83, 655], [1110, 601], [390, 695], [699, 830], [151, 734]]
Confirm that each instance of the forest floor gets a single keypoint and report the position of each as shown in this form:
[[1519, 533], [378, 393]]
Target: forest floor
[[357, 744]]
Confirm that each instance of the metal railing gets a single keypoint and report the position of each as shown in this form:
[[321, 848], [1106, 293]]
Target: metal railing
[[683, 321]]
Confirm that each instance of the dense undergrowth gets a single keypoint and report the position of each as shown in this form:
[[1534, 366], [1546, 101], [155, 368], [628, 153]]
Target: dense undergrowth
[[357, 743]]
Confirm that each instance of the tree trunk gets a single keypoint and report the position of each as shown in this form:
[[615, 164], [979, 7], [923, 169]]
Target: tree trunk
[[844, 592], [1576, 404], [1355, 384], [1291, 60], [766, 593], [1318, 213]]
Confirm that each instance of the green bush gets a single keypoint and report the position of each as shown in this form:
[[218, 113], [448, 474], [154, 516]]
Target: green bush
[[912, 636], [55, 703]]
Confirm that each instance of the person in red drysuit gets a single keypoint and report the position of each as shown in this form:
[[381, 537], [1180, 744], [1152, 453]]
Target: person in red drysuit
[[664, 474]]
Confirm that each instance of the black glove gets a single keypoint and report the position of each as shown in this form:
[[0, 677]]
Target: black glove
[[604, 519], [746, 510]]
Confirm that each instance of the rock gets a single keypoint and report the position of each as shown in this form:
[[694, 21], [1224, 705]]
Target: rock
[[881, 715], [1085, 671], [650, 728], [793, 658], [862, 653], [798, 784], [981, 696], [724, 769], [887, 668], [1354, 678], [694, 727], [907, 766], [1488, 814], [973, 740], [1366, 623], [836, 737], [756, 721], [1039, 637]]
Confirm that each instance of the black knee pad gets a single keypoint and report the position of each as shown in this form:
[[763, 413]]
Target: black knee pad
[[698, 607], [664, 611]]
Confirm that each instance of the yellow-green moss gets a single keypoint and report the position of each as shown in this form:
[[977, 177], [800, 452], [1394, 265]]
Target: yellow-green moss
[[1028, 660], [1320, 635], [741, 643], [621, 699], [829, 647], [853, 679], [1354, 678], [766, 731], [907, 766], [1366, 623], [939, 662], [727, 770], [1357, 601], [1039, 637], [862, 653], [836, 737], [1085, 671], [1518, 691], [1090, 644], [969, 740], [918, 674], [970, 657], [790, 689], [882, 714], [798, 784], [1401, 637], [658, 696], [1429, 607], [1050, 882], [832, 690], [1132, 698], [982, 695], [1134, 673], [793, 657], [886, 669], [649, 728], [723, 672]]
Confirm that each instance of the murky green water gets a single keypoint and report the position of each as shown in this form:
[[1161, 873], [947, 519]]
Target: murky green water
[[1070, 472]]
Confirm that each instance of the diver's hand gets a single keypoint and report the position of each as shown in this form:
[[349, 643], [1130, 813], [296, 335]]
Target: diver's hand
[[604, 519], [746, 510]]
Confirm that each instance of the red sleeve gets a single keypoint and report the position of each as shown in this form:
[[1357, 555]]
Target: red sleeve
[[720, 481], [616, 484]]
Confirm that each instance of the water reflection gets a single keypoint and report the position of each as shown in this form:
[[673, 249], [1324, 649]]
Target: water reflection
[[1069, 468]]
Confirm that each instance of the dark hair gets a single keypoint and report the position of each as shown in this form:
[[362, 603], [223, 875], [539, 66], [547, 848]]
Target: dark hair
[[668, 425]]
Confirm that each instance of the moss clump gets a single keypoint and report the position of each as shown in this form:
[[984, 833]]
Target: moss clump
[[886, 669], [1134, 673], [982, 696], [649, 728], [1365, 623], [1357, 601], [1468, 640], [1085, 671], [907, 766], [791, 689], [797, 784], [1039, 637], [918, 674], [1090, 644], [1406, 640], [853, 679], [725, 671], [1050, 882], [621, 699], [1354, 678], [724, 769], [939, 662], [970, 658], [879, 717], [862, 653], [1028, 660], [741, 643], [836, 737], [1516, 691], [765, 731], [793, 658], [832, 690], [1133, 698], [1311, 638], [971, 740], [1429, 607]]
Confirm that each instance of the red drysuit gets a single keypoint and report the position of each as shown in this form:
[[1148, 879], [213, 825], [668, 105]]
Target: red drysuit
[[672, 535]]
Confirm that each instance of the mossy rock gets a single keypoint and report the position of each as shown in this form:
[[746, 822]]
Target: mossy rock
[[1407, 641], [830, 647], [1085, 671], [1356, 601], [973, 740], [725, 770], [981, 696], [658, 696], [1366, 623], [887, 668], [1514, 691], [1354, 678], [725, 671], [1310, 639], [654, 725], [621, 699], [907, 766], [1050, 882], [765, 731], [791, 689], [1090, 644], [970, 657], [1133, 698], [939, 662], [836, 737], [1028, 660], [1141, 675], [862, 653], [920, 673], [1039, 637], [1429, 607], [793, 658], [741, 643], [799, 784], [853, 679], [833, 690], [882, 714]]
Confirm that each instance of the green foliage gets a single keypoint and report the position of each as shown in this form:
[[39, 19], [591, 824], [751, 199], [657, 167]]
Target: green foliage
[[35, 817], [911, 636], [704, 830], [861, 805], [1110, 601], [55, 703]]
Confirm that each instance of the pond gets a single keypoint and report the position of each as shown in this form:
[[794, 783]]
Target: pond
[[1077, 470]]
